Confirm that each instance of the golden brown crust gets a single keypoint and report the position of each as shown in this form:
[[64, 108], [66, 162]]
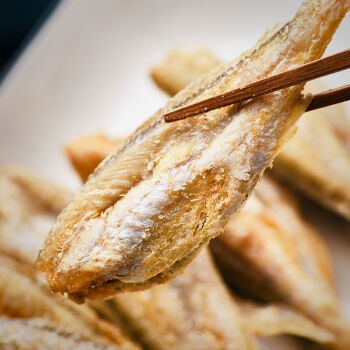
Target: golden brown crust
[[268, 320], [110, 288], [193, 310], [254, 279], [316, 162], [268, 251], [114, 229]]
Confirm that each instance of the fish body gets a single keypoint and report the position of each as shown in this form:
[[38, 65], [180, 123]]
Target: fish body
[[160, 197], [315, 162], [29, 206]]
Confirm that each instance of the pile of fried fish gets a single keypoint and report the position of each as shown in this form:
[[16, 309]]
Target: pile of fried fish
[[178, 239]]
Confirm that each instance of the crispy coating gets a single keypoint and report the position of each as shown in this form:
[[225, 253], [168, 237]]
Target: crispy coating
[[155, 201], [24, 296], [316, 161], [146, 314]]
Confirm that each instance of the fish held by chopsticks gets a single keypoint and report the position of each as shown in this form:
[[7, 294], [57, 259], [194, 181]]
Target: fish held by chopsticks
[[193, 310], [271, 224], [152, 205], [158, 317]]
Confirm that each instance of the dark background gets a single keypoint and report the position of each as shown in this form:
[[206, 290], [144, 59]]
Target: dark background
[[19, 21]]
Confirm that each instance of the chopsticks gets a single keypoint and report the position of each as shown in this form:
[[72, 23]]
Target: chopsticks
[[306, 72]]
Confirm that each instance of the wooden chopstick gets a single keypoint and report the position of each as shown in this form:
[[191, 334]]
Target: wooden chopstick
[[306, 72], [330, 97]]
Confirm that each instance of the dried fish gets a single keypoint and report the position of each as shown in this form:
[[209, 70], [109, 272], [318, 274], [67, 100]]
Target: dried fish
[[160, 197], [316, 161], [270, 227], [23, 294], [276, 205], [29, 206], [275, 319]]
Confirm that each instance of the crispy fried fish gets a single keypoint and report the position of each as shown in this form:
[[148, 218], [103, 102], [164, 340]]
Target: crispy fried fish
[[24, 295], [139, 308], [149, 315], [29, 206], [316, 161], [269, 252], [169, 188], [40, 334], [195, 310], [271, 215], [85, 152]]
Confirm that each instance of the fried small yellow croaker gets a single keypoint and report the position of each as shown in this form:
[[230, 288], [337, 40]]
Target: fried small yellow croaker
[[160, 197]]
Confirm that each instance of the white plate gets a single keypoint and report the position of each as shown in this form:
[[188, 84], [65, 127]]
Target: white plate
[[87, 70]]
